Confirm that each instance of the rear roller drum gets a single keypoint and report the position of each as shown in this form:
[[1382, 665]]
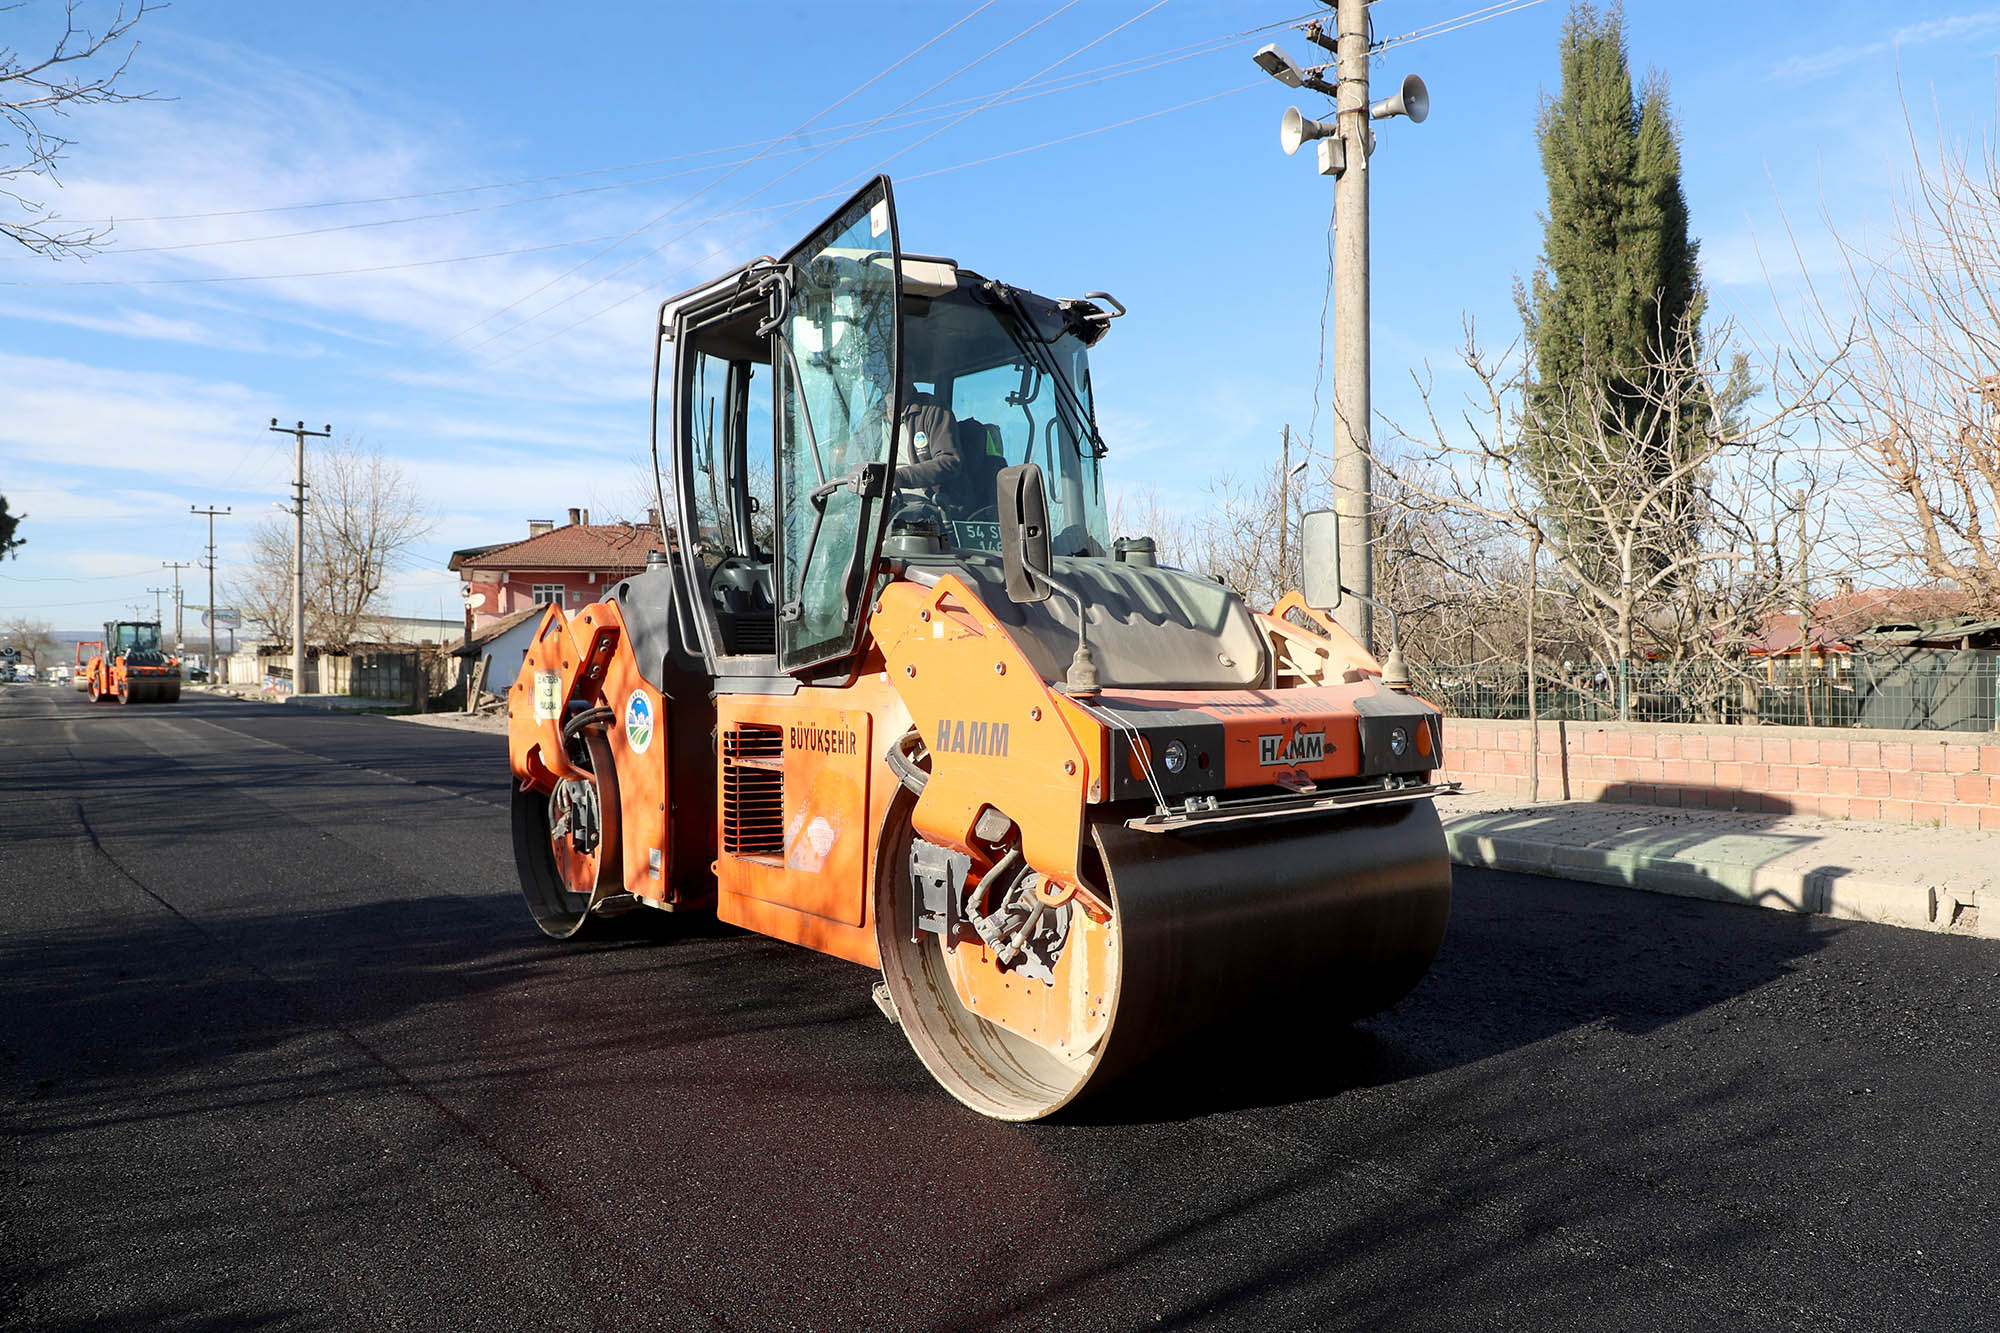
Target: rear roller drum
[[566, 843], [1312, 922]]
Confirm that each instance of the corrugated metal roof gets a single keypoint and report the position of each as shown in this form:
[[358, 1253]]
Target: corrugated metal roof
[[1836, 622]]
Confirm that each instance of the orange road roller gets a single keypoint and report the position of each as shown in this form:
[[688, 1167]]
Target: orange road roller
[[129, 666], [889, 689]]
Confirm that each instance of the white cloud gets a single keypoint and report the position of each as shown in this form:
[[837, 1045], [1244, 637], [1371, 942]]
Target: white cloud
[[1819, 64], [255, 134]]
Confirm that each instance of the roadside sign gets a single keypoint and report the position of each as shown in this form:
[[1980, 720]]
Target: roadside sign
[[223, 617]]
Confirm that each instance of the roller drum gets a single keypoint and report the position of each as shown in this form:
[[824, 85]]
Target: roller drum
[[1321, 921], [1267, 925]]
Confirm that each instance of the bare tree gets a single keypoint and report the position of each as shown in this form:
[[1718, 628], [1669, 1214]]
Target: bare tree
[[362, 517], [31, 639], [1457, 582], [82, 68], [1144, 514], [1918, 402], [1670, 569]]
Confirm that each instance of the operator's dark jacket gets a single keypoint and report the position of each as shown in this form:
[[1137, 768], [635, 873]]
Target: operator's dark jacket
[[927, 456]]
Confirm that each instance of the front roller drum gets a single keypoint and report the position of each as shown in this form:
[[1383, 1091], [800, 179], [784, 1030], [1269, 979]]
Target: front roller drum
[[1316, 921], [566, 844]]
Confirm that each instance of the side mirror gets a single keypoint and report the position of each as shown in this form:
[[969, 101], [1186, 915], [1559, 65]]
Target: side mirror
[[1024, 532], [1319, 559]]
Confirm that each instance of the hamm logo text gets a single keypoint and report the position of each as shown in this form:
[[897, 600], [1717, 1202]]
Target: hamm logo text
[[1296, 747], [957, 736]]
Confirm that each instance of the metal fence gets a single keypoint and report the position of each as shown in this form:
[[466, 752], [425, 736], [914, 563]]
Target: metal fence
[[1907, 689]]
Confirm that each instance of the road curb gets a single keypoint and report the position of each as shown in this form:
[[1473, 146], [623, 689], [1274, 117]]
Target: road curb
[[1832, 891]]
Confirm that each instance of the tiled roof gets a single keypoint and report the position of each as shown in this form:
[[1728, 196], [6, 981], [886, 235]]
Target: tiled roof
[[607, 546], [472, 553]]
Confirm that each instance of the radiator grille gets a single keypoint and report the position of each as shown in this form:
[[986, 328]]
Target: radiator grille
[[753, 791], [752, 635]]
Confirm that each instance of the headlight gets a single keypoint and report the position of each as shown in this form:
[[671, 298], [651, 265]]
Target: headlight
[[1399, 742], [1174, 757]]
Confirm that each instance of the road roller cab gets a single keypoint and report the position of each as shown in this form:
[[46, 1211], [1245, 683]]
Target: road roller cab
[[129, 666], [891, 691]]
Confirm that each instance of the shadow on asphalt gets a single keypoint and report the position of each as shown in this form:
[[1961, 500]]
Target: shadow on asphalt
[[1524, 959]]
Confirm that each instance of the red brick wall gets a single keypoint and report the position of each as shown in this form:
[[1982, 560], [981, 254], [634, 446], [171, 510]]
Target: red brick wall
[[1894, 777]]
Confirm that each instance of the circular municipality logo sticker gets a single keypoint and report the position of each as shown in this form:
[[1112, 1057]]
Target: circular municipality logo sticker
[[638, 722]]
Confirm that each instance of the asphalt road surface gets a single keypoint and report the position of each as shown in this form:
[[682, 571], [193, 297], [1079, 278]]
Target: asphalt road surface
[[279, 1048]]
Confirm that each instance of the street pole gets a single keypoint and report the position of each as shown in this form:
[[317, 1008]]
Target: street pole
[[298, 434], [1352, 493], [177, 566], [211, 512], [1285, 509], [1343, 145], [158, 593]]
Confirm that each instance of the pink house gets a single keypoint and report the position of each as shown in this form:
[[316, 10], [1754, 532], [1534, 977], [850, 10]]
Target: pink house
[[572, 565]]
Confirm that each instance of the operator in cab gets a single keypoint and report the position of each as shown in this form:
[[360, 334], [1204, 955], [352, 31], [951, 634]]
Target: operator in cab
[[927, 454]]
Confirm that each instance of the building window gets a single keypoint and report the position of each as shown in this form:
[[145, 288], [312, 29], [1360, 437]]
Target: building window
[[548, 592]]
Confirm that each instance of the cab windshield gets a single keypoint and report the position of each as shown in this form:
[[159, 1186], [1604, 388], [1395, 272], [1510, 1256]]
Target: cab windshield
[[136, 638], [995, 379]]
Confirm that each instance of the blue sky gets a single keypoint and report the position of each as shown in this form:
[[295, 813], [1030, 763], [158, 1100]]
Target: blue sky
[[515, 386]]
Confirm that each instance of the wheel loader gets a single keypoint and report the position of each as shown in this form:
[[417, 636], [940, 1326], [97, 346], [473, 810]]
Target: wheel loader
[[889, 690], [129, 665]]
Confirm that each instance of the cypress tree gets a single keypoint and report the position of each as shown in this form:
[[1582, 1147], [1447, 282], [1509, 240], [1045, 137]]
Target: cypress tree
[[8, 522], [1618, 285]]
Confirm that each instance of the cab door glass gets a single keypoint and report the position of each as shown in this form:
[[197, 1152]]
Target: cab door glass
[[728, 408], [837, 397]]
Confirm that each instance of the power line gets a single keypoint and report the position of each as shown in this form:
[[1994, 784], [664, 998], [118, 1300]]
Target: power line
[[921, 175], [660, 217], [787, 207], [1064, 83], [1465, 20], [1033, 92], [690, 230], [1069, 83], [1101, 37], [79, 578]]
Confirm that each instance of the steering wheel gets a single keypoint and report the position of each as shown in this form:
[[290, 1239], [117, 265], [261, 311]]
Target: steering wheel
[[919, 504], [720, 586]]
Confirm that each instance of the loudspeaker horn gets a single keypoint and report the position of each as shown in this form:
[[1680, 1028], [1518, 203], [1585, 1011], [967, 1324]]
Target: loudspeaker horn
[[1413, 100], [1297, 130]]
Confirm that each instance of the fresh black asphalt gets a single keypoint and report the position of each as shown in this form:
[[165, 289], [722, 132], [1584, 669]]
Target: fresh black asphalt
[[279, 1049]]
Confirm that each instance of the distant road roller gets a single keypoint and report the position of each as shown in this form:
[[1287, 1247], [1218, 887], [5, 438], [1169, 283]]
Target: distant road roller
[[129, 665], [890, 690]]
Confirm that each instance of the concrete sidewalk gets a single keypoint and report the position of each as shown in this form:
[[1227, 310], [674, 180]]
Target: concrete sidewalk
[[1925, 878]]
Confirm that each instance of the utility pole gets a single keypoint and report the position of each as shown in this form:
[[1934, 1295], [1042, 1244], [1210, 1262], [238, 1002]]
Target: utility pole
[[1285, 509], [1343, 149], [177, 566], [211, 512], [1805, 612], [158, 593], [299, 434], [1352, 496]]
